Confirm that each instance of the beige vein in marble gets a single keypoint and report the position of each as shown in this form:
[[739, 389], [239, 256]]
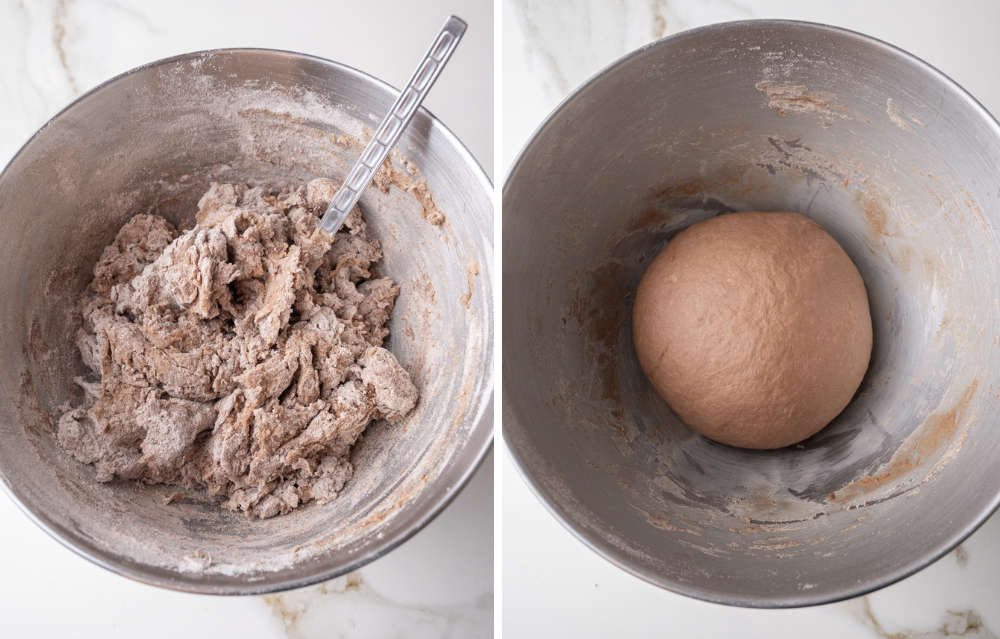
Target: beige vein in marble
[[348, 606]]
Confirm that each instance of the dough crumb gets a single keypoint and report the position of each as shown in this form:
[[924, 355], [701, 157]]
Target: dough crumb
[[243, 356]]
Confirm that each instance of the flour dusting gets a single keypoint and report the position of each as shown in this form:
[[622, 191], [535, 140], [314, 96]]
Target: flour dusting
[[242, 356]]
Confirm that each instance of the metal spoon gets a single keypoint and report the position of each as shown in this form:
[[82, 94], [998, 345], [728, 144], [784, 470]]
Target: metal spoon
[[394, 123]]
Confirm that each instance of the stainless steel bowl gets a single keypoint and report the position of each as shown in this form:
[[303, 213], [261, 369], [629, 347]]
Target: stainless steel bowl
[[152, 139], [890, 156]]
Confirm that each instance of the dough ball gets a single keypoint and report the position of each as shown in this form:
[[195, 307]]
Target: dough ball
[[754, 327]]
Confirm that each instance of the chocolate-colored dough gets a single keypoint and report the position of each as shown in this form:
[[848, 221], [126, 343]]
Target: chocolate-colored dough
[[243, 356], [754, 327]]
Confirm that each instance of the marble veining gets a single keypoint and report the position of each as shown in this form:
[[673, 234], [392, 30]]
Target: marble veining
[[58, 41], [350, 601], [954, 623]]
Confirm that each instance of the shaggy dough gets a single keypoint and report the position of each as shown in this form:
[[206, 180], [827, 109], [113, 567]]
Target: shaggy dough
[[754, 327], [243, 356]]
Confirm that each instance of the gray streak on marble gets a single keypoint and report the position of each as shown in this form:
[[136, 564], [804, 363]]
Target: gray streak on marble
[[961, 556], [535, 37]]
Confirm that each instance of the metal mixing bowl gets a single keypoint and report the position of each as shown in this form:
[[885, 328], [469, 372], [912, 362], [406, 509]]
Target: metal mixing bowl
[[153, 139], [891, 157]]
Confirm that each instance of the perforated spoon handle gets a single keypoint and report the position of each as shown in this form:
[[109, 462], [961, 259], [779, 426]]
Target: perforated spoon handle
[[394, 123]]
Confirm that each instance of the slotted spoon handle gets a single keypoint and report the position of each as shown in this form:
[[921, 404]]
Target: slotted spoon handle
[[394, 123]]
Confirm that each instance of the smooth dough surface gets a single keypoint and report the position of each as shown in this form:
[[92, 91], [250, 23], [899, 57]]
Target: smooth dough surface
[[754, 327]]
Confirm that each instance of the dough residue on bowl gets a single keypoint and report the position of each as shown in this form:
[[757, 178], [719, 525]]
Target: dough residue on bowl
[[243, 356]]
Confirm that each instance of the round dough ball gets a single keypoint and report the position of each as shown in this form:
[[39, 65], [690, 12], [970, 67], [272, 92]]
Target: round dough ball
[[754, 327]]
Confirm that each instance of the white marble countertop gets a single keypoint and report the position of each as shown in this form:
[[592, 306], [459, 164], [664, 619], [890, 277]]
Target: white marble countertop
[[439, 583], [553, 584]]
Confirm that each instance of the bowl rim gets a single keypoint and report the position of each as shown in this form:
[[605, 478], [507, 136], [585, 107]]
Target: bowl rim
[[591, 539], [484, 427]]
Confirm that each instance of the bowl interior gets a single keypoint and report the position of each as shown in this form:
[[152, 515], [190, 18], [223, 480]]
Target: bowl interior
[[899, 165], [153, 140]]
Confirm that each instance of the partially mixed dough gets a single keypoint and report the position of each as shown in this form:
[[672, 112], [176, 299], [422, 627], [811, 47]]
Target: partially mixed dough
[[243, 356]]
